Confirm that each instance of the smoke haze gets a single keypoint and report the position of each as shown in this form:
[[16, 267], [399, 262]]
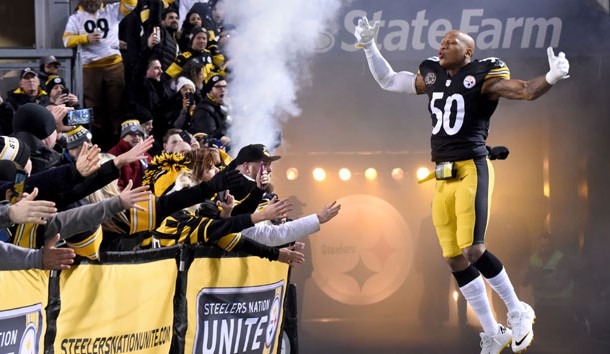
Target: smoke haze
[[270, 56]]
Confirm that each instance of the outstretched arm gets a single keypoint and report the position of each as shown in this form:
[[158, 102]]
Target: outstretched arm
[[13, 257], [516, 89], [28, 210], [80, 219], [559, 68], [386, 77], [284, 255], [290, 231], [56, 258], [277, 235]]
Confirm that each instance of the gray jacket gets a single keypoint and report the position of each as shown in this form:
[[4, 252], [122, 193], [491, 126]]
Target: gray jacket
[[66, 223]]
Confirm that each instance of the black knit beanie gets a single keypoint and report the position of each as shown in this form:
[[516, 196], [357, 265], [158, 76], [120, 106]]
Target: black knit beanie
[[34, 119]]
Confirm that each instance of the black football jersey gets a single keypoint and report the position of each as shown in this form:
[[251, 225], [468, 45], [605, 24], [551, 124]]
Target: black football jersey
[[460, 113]]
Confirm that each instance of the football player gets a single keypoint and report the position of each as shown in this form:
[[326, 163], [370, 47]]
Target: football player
[[463, 93]]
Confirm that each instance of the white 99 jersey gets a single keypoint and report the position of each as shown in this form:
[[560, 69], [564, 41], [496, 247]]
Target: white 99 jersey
[[106, 22]]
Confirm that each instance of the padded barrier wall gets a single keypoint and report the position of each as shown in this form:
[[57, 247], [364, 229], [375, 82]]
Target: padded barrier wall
[[181, 299]]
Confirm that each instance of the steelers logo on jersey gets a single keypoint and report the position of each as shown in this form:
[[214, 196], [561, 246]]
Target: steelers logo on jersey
[[430, 79], [469, 81]]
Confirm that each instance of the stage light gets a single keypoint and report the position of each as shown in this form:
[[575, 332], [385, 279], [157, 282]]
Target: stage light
[[319, 174], [370, 174], [292, 174], [398, 173], [345, 174], [422, 173]]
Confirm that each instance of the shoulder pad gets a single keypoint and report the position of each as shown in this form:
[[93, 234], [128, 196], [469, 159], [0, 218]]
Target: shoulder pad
[[431, 63], [493, 62]]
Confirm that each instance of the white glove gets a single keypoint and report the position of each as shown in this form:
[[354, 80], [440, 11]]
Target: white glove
[[559, 67], [365, 33]]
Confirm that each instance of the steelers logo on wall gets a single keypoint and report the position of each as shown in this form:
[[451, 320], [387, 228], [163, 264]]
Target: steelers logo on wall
[[274, 316], [364, 255], [29, 344]]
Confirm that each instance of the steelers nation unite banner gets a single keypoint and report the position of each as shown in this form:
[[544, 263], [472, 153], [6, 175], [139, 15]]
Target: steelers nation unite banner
[[179, 299], [235, 311]]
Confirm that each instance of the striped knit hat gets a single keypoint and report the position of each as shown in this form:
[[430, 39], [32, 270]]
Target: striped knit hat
[[14, 150]]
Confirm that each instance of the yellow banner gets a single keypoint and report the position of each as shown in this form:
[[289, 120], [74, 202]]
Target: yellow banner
[[116, 308], [23, 297], [235, 305]]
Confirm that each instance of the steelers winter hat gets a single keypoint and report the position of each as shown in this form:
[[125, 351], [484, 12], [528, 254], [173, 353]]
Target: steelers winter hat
[[14, 150], [77, 136], [196, 30], [131, 126], [212, 78], [54, 80]]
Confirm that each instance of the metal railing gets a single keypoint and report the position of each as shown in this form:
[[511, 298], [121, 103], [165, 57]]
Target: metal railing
[[12, 61]]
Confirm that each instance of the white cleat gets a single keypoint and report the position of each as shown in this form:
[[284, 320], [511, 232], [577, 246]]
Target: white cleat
[[497, 343], [521, 323]]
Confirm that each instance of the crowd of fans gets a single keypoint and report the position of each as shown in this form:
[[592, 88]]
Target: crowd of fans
[[145, 160]]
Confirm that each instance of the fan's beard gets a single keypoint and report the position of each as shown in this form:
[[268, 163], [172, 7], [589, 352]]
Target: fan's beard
[[91, 6]]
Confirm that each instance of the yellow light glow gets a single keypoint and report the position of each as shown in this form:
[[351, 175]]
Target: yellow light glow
[[398, 173], [292, 174], [455, 295], [546, 184], [583, 189], [345, 174], [370, 174], [422, 173], [319, 174]]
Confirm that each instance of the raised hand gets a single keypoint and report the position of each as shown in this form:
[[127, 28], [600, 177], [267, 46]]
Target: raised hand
[[559, 66], [287, 255], [365, 33], [72, 99], [153, 40], [136, 153], [226, 205], [131, 197], [328, 212], [276, 209], [59, 111], [28, 210], [88, 161], [262, 177], [56, 258]]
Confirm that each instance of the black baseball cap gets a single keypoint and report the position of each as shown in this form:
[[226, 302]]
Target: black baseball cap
[[49, 59], [28, 71], [254, 152]]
